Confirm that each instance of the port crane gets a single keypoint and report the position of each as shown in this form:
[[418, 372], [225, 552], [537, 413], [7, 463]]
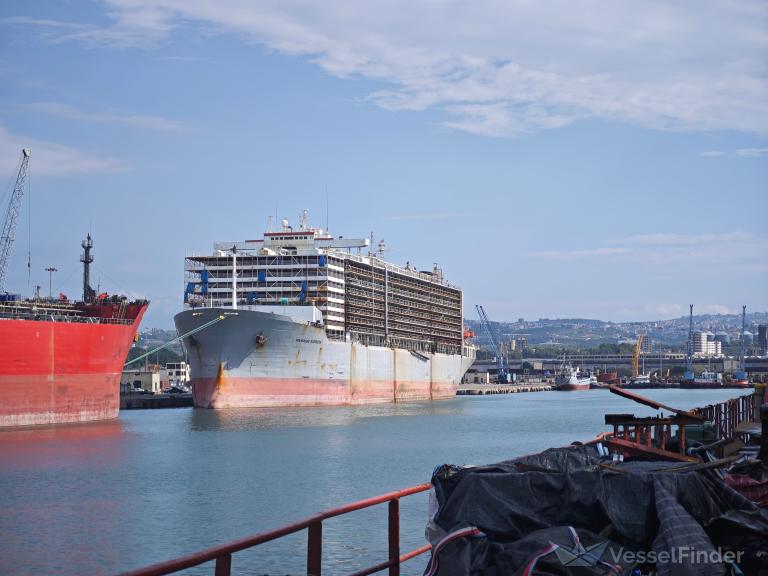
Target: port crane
[[741, 374], [12, 215], [636, 356], [689, 374], [502, 372]]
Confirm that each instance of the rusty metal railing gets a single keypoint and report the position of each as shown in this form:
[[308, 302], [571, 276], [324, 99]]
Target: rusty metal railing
[[222, 554], [727, 415]]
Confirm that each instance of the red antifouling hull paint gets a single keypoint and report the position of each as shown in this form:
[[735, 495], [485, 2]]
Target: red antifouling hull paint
[[235, 392], [61, 372]]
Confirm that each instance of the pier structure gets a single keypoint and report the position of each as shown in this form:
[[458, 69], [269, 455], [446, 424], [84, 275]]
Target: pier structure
[[483, 370]]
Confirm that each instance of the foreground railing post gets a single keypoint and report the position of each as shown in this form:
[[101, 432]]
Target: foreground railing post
[[394, 537], [315, 548], [224, 565]]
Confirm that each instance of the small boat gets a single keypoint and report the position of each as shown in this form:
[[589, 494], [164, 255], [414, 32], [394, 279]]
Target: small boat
[[642, 380], [608, 378], [570, 378], [707, 379], [740, 380]]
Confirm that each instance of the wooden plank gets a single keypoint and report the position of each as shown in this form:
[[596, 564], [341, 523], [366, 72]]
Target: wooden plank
[[640, 449]]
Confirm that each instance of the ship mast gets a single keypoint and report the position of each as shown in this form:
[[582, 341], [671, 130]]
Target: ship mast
[[87, 259]]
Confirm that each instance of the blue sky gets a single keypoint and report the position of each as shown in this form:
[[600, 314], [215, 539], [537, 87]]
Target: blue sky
[[557, 159]]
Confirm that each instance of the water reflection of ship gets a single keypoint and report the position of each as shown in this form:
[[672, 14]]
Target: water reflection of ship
[[69, 446], [240, 419]]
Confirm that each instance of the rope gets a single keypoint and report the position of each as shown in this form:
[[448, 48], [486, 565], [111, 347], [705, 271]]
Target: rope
[[193, 331]]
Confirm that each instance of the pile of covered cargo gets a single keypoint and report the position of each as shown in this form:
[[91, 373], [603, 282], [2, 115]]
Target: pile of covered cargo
[[581, 510]]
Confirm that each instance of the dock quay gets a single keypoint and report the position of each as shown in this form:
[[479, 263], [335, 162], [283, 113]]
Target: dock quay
[[482, 389], [152, 401]]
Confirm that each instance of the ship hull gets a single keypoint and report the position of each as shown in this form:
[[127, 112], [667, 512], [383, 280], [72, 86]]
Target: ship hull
[[700, 384], [572, 387], [61, 372], [259, 359]]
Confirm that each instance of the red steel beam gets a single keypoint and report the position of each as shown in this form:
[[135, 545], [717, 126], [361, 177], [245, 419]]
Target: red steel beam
[[652, 403]]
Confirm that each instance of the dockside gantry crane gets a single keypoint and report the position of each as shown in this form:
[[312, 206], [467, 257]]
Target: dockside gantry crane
[[502, 372], [636, 356], [12, 215]]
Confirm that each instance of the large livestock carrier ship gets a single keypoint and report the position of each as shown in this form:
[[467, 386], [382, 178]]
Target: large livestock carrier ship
[[300, 318], [60, 361]]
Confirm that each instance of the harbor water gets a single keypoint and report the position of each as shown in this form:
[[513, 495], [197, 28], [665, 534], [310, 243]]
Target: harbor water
[[157, 484]]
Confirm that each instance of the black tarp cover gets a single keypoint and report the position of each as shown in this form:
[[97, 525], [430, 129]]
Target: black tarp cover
[[563, 501]]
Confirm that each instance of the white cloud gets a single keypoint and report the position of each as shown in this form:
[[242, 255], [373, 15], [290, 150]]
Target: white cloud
[[182, 59], [714, 309], [576, 254], [136, 121], [51, 158], [494, 68], [664, 310], [673, 239], [138, 31], [712, 153], [743, 152], [705, 255], [752, 152], [426, 216]]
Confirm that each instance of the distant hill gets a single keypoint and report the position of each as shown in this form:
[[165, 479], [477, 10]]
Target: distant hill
[[590, 333]]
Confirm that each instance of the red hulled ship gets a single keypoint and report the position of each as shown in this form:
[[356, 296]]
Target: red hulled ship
[[61, 361]]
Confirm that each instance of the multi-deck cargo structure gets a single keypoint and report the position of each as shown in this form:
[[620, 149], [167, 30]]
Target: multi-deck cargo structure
[[302, 318]]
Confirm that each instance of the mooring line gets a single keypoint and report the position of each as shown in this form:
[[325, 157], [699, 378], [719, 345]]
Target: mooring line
[[193, 331]]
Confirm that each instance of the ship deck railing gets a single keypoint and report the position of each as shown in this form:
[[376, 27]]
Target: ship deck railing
[[222, 555], [67, 317]]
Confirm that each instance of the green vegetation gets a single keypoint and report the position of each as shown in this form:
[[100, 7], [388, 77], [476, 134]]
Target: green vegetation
[[555, 351]]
